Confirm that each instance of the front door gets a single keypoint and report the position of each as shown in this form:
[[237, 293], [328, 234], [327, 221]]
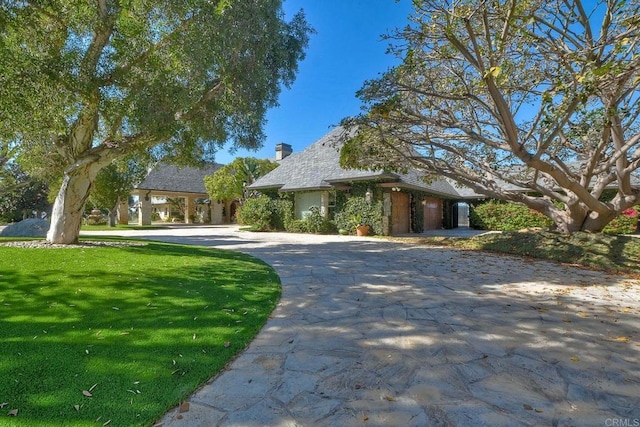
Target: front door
[[400, 213], [432, 214]]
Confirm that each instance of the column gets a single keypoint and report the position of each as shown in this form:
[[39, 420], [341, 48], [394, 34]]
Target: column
[[189, 210], [144, 209], [324, 204], [123, 212]]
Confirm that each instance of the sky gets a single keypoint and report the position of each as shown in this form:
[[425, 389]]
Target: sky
[[346, 50]]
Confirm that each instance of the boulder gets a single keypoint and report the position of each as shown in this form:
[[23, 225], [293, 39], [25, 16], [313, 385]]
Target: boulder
[[30, 227]]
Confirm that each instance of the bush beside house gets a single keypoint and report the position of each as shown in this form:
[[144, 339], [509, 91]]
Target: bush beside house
[[506, 216], [358, 211], [267, 214]]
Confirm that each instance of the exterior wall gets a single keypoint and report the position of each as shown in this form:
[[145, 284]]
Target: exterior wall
[[217, 208], [386, 214]]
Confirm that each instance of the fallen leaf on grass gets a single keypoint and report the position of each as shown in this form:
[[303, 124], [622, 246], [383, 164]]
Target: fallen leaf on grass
[[13, 413], [76, 407], [227, 344], [3, 404], [86, 393]]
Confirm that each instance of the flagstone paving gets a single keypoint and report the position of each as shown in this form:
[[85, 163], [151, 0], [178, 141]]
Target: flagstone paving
[[376, 333]]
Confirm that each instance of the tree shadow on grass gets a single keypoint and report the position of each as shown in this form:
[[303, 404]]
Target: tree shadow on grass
[[147, 326], [596, 250]]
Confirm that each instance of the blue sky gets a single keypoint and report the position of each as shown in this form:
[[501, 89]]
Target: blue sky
[[346, 50]]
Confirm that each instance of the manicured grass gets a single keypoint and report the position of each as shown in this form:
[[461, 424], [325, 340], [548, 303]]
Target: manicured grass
[[139, 328], [594, 250]]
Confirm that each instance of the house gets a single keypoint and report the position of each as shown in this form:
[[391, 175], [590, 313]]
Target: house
[[186, 186], [315, 178]]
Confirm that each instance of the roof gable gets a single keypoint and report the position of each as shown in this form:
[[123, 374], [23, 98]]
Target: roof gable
[[170, 178], [318, 166], [313, 167]]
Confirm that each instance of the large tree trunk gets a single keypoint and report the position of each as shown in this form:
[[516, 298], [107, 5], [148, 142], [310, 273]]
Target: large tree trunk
[[581, 220], [113, 214], [66, 217]]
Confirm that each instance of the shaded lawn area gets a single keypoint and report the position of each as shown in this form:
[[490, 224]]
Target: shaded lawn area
[[121, 334], [594, 250]]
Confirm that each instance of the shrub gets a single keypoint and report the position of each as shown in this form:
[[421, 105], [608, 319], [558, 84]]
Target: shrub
[[358, 211], [316, 223], [282, 214], [506, 216], [626, 223], [266, 214], [297, 226], [256, 212]]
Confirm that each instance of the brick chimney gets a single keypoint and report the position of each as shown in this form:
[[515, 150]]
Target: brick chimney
[[282, 150]]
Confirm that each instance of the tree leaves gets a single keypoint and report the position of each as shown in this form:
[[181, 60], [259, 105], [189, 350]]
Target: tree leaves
[[506, 102], [87, 393], [183, 80], [230, 181], [493, 72]]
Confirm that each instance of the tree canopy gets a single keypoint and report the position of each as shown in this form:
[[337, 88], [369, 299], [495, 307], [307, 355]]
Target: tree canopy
[[535, 102], [85, 83], [20, 194], [230, 181]]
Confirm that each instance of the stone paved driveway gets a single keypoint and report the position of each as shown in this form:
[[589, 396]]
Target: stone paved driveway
[[374, 333]]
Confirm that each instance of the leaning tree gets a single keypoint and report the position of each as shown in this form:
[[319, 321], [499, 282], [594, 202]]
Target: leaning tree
[[83, 83], [535, 102]]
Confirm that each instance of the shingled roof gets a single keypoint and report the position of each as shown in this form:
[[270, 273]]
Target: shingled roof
[[318, 167], [174, 179]]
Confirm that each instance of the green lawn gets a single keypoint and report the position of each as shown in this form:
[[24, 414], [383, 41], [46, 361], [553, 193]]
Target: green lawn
[[119, 335]]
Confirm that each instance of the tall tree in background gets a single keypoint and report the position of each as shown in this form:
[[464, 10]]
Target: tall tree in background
[[230, 181], [114, 184], [86, 82], [534, 102], [20, 194]]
